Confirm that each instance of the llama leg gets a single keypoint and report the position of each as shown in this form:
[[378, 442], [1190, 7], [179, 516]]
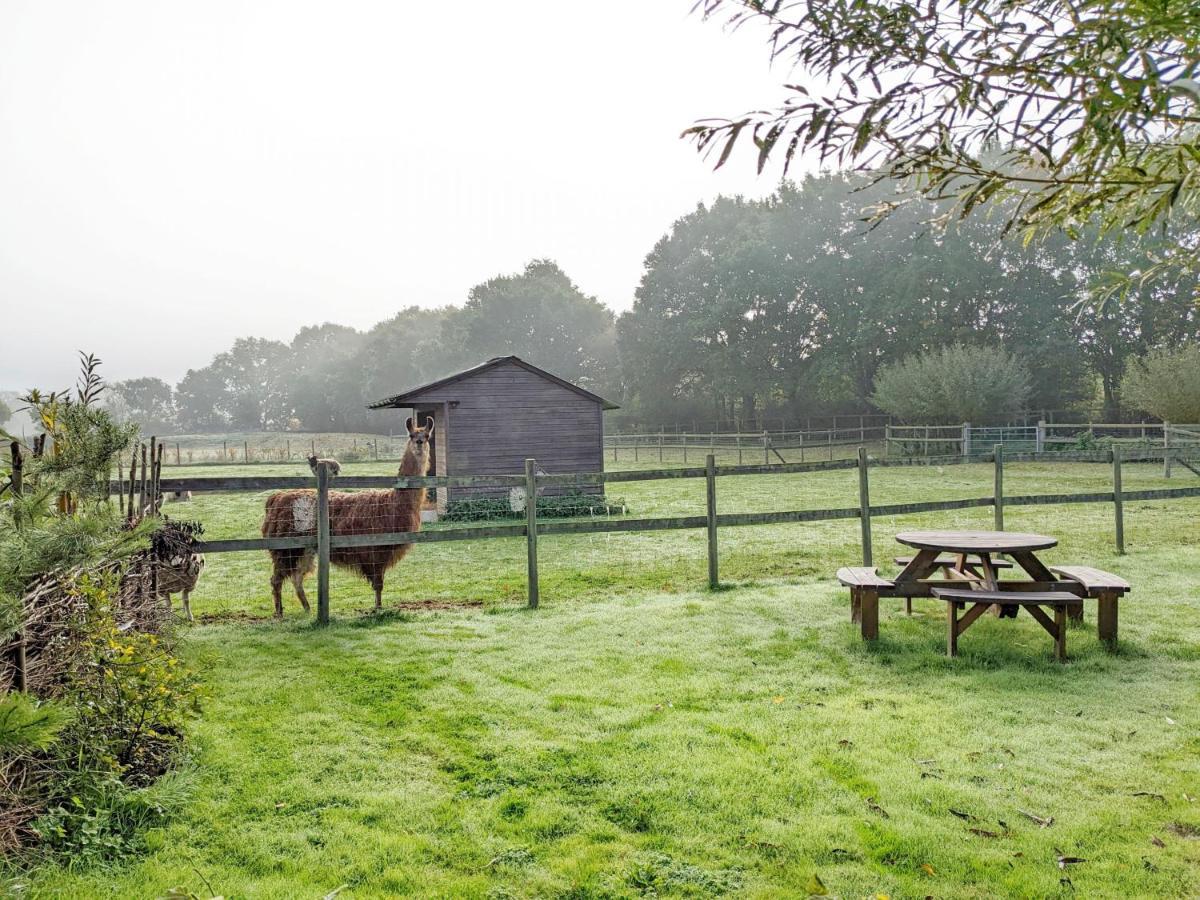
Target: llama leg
[[277, 591], [187, 605], [298, 582]]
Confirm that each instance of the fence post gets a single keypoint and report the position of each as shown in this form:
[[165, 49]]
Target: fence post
[[710, 485], [864, 505], [19, 663], [802, 446], [739, 447], [966, 439], [18, 467], [998, 494], [1118, 502], [661, 437], [829, 440], [685, 437], [246, 450], [887, 440], [531, 531], [323, 544], [766, 449], [177, 462], [1039, 437], [1166, 450]]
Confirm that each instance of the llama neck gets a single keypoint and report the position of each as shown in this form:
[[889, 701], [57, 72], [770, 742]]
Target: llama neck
[[415, 462]]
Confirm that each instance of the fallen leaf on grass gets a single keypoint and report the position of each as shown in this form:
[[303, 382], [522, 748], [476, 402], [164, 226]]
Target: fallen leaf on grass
[[777, 700], [816, 887], [1184, 830], [965, 816], [1042, 822], [1150, 794], [1170, 721], [983, 832], [1157, 841], [928, 869], [1147, 865], [845, 744], [1064, 861], [876, 808]]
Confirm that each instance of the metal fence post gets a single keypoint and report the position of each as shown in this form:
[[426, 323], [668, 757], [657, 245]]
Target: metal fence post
[[998, 494], [531, 530], [864, 505], [1039, 437], [1118, 501], [966, 440], [710, 479], [323, 544]]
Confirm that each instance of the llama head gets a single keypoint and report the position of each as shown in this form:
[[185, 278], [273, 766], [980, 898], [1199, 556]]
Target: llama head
[[418, 435], [416, 454]]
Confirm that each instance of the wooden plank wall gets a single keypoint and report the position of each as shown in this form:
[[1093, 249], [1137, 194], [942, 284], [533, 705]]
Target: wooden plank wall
[[505, 415]]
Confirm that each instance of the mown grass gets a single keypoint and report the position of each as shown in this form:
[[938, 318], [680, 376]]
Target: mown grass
[[637, 736]]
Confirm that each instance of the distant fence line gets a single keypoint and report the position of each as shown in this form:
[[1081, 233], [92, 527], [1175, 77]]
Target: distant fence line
[[971, 440], [322, 541], [372, 448], [963, 439]]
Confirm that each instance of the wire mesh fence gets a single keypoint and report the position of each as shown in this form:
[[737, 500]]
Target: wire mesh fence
[[634, 529]]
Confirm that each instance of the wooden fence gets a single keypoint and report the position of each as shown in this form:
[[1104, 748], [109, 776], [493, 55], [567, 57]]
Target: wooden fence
[[769, 445], [968, 440], [323, 541]]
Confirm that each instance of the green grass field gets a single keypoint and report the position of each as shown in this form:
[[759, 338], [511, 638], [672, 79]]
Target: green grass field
[[640, 736]]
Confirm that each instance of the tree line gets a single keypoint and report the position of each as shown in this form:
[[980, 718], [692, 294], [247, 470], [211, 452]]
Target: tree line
[[747, 310]]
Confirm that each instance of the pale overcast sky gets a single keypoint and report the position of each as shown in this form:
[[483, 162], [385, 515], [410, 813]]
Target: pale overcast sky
[[174, 175]]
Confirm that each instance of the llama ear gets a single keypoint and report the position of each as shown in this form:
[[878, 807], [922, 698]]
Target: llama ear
[[408, 423], [429, 425]]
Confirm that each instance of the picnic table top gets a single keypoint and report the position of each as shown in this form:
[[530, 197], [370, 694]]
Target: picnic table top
[[976, 541]]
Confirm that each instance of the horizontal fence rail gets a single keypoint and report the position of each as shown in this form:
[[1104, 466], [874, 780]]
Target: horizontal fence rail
[[531, 482]]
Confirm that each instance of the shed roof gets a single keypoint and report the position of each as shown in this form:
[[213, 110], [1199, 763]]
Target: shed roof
[[408, 397]]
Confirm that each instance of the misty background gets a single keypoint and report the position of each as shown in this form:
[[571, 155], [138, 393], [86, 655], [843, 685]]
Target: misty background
[[263, 217], [176, 176]]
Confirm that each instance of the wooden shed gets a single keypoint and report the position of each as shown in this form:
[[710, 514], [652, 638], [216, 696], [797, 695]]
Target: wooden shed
[[492, 417]]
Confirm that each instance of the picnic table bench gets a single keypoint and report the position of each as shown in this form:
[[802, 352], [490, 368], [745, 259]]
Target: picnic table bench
[[962, 567]]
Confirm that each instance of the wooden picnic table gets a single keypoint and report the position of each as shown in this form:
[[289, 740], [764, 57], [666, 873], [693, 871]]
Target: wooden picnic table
[[968, 563], [975, 560]]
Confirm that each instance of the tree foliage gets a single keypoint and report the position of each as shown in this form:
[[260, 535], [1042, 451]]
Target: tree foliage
[[958, 383], [540, 315], [1080, 114], [1166, 384], [323, 379], [787, 307], [150, 402]]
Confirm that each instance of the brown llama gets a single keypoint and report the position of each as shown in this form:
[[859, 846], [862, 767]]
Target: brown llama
[[294, 512]]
